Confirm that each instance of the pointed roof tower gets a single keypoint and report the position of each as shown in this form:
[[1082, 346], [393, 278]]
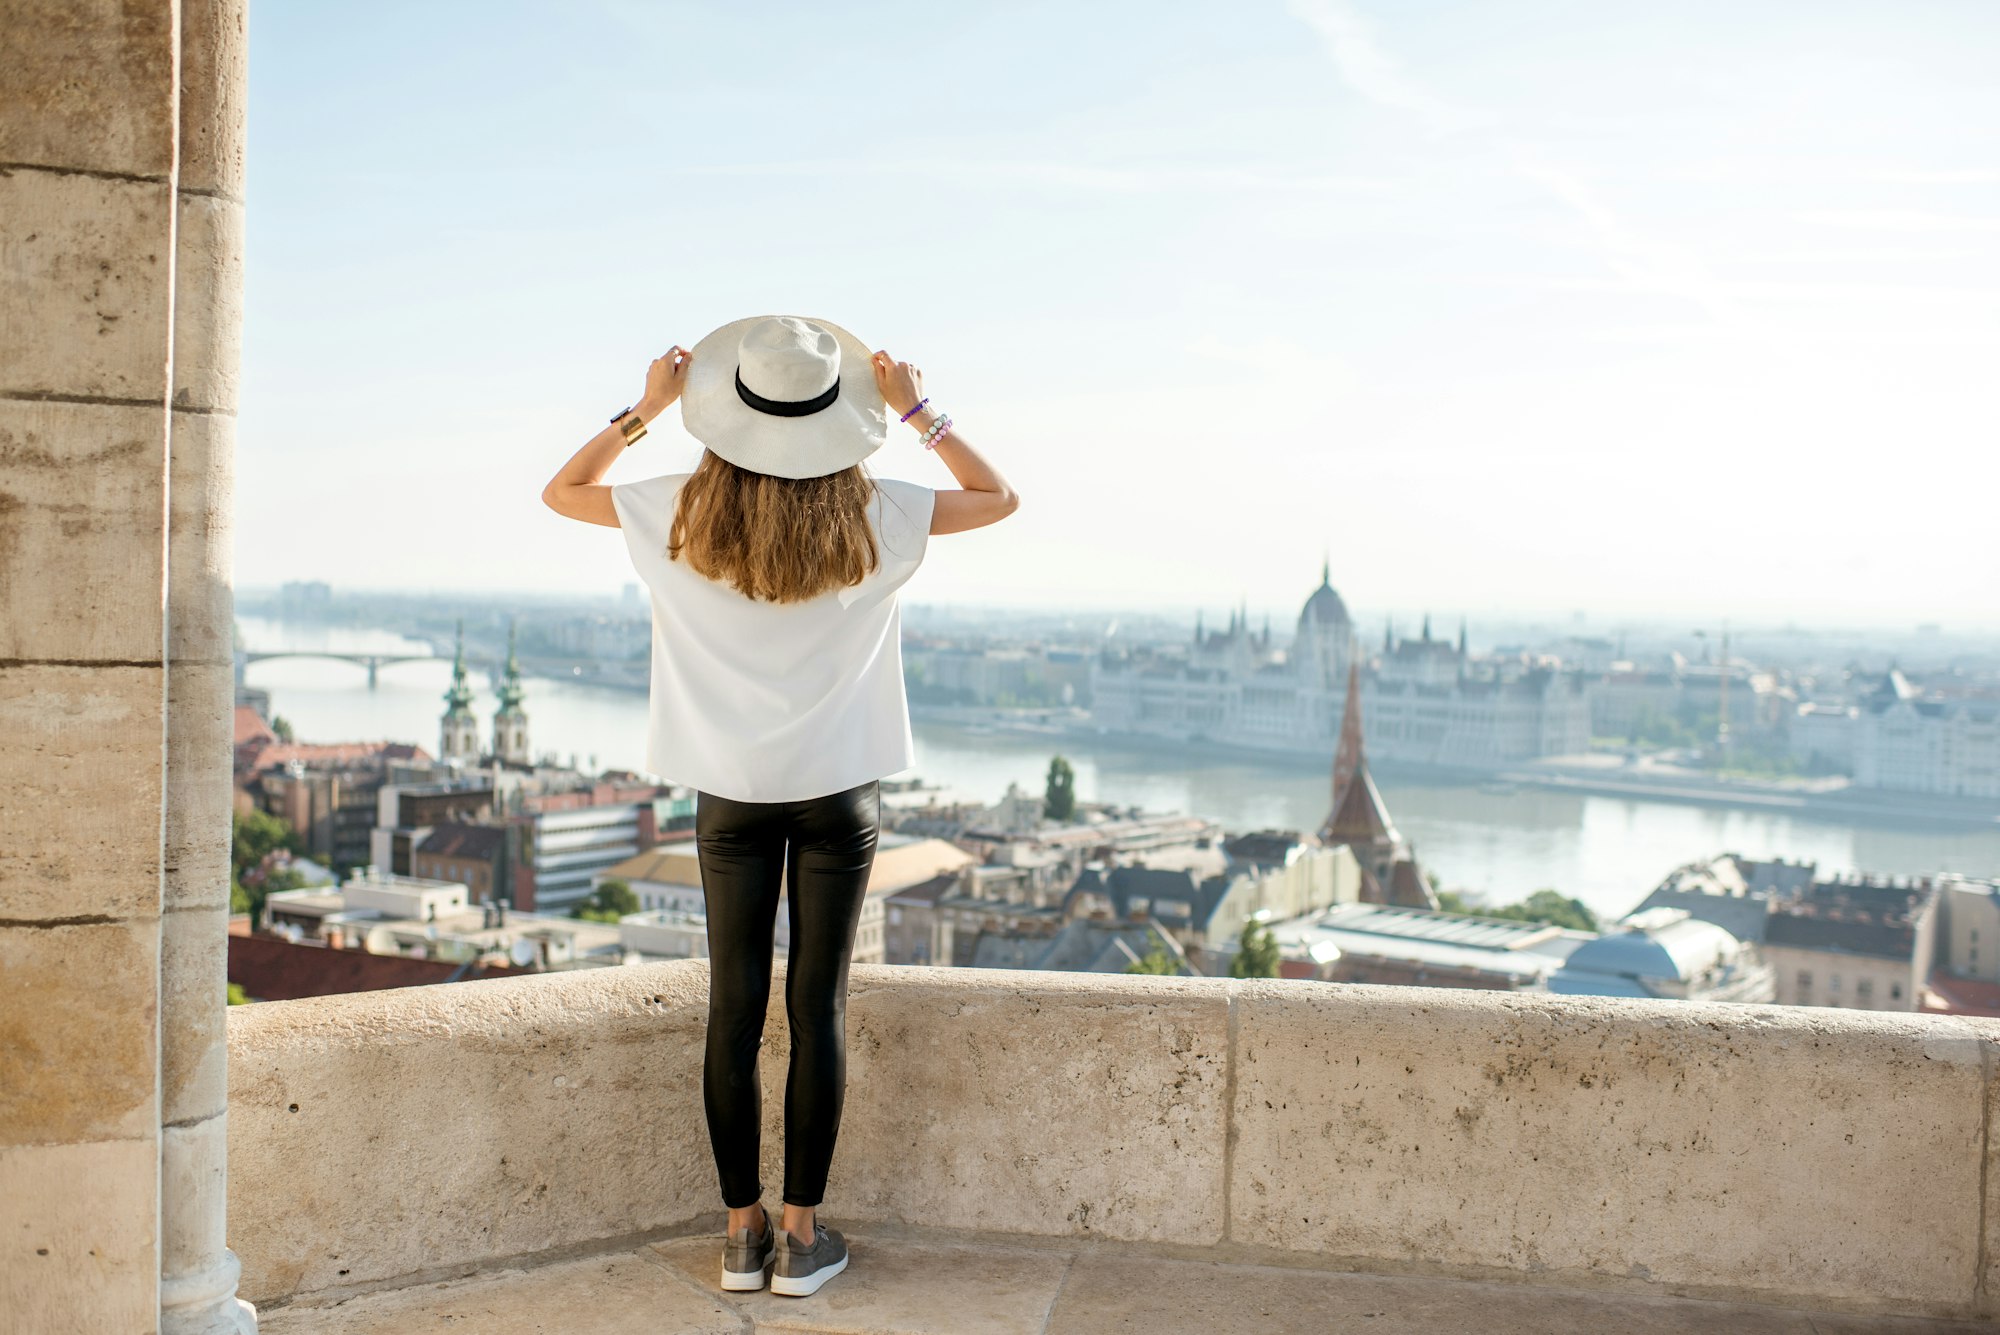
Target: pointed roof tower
[[459, 697], [1358, 815], [511, 690], [1362, 817], [1347, 756], [1461, 637]]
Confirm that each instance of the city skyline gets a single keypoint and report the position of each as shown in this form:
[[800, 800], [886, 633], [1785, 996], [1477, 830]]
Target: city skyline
[[1658, 317]]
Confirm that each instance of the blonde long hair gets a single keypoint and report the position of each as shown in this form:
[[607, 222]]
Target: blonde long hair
[[778, 539]]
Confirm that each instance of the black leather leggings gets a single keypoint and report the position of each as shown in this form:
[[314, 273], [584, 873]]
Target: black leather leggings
[[825, 847]]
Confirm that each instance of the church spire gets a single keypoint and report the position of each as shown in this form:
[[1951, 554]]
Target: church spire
[[459, 697], [511, 692], [510, 722], [1347, 756], [1326, 567], [1461, 637], [1427, 628], [458, 731]]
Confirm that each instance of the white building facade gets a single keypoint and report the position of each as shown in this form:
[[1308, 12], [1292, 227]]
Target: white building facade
[[1424, 701]]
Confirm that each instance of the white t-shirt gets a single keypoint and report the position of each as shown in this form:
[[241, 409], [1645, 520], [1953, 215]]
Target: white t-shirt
[[775, 702]]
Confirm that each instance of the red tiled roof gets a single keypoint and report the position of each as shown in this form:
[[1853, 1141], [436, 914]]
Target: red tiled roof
[[1948, 994], [251, 727], [268, 969], [325, 755], [464, 841]]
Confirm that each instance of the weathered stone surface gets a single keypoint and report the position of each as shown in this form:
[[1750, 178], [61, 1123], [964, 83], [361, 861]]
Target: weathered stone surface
[[193, 1195], [79, 790], [214, 50], [897, 1283], [1619, 1152], [965, 1102], [1989, 1287], [1109, 1292], [200, 752], [194, 979], [85, 292], [1723, 1150], [78, 1007], [615, 1295], [82, 501], [88, 84], [208, 304], [76, 1237], [394, 1133]]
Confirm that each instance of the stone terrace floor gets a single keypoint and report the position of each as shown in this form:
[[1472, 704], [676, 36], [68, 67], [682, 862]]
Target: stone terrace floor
[[903, 1281]]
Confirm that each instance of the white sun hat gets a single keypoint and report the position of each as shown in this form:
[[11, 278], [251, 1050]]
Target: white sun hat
[[784, 395]]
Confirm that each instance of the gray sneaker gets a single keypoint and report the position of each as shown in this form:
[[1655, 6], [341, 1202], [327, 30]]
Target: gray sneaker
[[800, 1270], [746, 1258]]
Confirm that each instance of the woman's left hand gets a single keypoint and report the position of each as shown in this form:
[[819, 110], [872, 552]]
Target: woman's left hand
[[665, 379]]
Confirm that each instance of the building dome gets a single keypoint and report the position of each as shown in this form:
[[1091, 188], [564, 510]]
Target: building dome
[[1325, 606]]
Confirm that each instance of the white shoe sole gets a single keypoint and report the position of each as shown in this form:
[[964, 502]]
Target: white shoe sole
[[805, 1284], [743, 1281]]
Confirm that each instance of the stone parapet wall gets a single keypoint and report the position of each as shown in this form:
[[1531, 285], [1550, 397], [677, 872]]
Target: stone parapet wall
[[1764, 1153]]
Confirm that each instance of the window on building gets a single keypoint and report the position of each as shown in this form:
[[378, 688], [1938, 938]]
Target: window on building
[[1864, 990], [1805, 980], [1833, 982], [1895, 991]]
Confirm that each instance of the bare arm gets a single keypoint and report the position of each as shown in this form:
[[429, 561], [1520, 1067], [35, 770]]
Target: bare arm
[[986, 498], [577, 491]]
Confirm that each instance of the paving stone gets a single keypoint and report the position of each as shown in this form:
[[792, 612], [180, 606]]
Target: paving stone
[[1106, 1293], [897, 1286], [626, 1294]]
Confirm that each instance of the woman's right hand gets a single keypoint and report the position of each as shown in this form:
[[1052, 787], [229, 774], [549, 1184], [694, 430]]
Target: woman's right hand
[[902, 384]]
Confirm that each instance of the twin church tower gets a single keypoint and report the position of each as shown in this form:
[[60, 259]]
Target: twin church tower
[[459, 730]]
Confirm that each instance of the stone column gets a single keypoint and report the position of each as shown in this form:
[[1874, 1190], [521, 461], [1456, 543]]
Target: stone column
[[114, 765], [87, 158], [197, 1272]]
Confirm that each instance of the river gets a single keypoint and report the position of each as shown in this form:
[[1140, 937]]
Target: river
[[1497, 847]]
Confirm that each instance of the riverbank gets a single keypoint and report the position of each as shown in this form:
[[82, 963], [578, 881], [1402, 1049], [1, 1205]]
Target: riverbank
[[1596, 776]]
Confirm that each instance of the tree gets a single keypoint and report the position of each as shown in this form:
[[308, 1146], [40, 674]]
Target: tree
[[1157, 960], [1059, 800], [1553, 907], [282, 726], [612, 900], [253, 837], [237, 997], [1256, 952], [250, 899]]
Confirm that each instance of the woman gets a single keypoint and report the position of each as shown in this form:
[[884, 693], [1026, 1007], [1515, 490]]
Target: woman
[[777, 694]]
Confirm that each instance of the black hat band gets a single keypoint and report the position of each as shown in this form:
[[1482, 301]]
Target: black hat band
[[779, 408]]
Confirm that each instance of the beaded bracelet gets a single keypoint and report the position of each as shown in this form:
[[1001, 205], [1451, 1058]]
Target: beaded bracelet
[[913, 412], [937, 432]]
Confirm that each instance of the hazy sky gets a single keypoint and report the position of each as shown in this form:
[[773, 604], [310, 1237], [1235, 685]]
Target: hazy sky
[[1508, 306]]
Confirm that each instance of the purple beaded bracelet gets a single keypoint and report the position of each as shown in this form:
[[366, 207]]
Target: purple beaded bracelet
[[914, 411]]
